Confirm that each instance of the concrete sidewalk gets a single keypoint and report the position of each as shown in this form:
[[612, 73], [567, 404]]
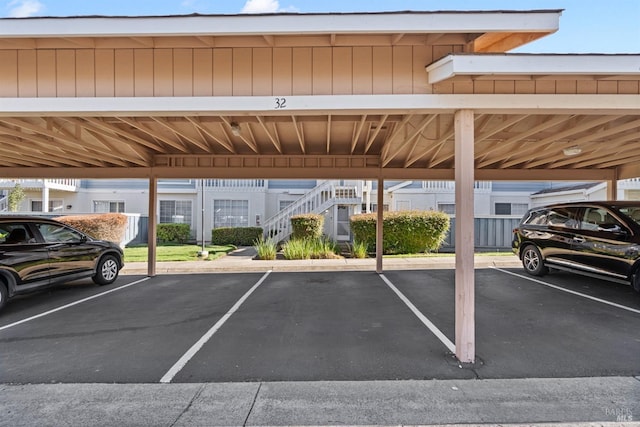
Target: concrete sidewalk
[[611, 401], [241, 260]]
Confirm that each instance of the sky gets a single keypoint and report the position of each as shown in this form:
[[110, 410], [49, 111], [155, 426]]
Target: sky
[[586, 26]]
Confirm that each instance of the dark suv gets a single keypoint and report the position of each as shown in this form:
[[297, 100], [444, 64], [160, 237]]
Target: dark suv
[[38, 252], [600, 239]]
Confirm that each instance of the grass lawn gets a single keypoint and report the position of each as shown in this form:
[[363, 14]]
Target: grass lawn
[[175, 252]]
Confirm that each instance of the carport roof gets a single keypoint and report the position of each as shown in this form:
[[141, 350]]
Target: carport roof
[[490, 30], [518, 135]]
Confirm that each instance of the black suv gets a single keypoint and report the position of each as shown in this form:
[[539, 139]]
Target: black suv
[[38, 252], [600, 239]]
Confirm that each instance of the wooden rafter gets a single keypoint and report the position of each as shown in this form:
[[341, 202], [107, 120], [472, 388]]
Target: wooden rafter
[[510, 146], [100, 125], [60, 157], [65, 141], [250, 144], [372, 137], [113, 146], [61, 150], [165, 123], [273, 138], [388, 155], [545, 143], [299, 133], [437, 146], [201, 127], [154, 134], [357, 130]]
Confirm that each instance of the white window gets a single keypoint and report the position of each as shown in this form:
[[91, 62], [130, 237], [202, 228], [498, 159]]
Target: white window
[[230, 213], [448, 208], [511, 208], [105, 206], [284, 203], [374, 207], [175, 211], [54, 205]]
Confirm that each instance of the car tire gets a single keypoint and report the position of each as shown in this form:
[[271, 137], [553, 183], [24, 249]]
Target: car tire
[[533, 262], [107, 271], [635, 282], [4, 294]]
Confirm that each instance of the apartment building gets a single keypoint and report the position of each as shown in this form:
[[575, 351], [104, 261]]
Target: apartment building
[[270, 203]]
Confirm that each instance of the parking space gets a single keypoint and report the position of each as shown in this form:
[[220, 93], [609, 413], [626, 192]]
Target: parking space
[[526, 329], [317, 326], [132, 335]]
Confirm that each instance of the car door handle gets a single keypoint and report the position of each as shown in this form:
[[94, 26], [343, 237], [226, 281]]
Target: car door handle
[[579, 239]]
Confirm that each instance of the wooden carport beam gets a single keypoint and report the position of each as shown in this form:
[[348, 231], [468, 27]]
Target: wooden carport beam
[[464, 244], [612, 188], [379, 225], [153, 195]]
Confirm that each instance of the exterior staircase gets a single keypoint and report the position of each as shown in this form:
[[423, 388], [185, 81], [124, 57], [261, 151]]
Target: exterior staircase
[[324, 196]]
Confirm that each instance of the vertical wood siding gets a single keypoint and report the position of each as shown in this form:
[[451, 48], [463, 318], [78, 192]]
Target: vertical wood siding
[[246, 71]]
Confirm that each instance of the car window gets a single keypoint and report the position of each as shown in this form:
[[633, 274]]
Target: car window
[[632, 212], [12, 234], [54, 233], [562, 217], [537, 217], [557, 217], [599, 219]]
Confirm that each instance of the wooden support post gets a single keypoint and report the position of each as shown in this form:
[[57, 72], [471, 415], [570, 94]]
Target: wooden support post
[[612, 188], [379, 228], [153, 196], [464, 277]]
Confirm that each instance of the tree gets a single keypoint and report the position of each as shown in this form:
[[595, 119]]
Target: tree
[[16, 196]]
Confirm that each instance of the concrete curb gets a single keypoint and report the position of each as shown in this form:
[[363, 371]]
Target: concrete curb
[[232, 264]]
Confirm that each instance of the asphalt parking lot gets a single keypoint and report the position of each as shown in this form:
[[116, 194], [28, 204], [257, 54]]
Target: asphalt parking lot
[[317, 326]]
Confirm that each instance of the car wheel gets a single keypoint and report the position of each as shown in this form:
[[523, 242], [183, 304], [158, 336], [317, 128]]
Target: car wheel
[[533, 262], [4, 294], [635, 283], [107, 271]]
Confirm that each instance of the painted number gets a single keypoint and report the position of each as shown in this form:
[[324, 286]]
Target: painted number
[[281, 103]]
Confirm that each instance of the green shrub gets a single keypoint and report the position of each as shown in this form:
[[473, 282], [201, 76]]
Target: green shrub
[[320, 248], [108, 226], [174, 233], [266, 249], [358, 249], [405, 232], [306, 226], [239, 236]]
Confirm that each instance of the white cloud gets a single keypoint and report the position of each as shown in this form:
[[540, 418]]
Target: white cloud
[[24, 8], [261, 6]]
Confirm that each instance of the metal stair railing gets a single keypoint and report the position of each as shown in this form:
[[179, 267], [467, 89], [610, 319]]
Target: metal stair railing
[[322, 197]]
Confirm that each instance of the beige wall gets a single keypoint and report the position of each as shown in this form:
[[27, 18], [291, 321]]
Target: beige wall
[[239, 71]]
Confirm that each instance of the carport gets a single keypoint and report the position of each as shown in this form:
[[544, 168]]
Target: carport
[[407, 95]]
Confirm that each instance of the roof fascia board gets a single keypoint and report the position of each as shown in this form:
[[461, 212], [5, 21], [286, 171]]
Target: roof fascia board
[[312, 173], [547, 65], [322, 104], [284, 24]]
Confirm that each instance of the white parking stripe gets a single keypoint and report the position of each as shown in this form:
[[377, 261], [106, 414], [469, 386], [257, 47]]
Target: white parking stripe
[[433, 328], [177, 367], [46, 313], [560, 288]]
